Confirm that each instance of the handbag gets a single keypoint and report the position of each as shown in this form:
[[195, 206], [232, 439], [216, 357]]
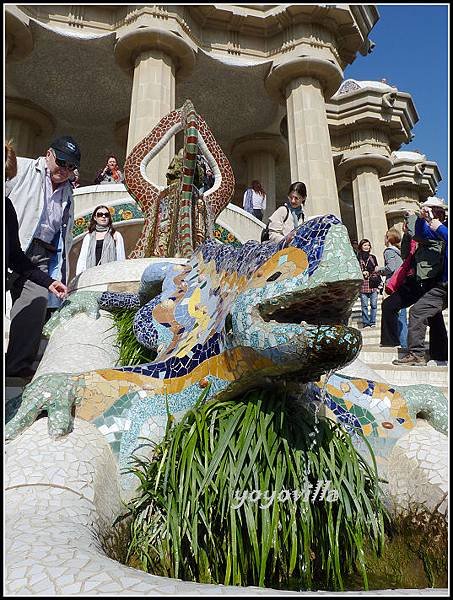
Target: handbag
[[375, 281], [402, 272]]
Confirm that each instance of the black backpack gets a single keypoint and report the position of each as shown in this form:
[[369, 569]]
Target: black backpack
[[265, 231]]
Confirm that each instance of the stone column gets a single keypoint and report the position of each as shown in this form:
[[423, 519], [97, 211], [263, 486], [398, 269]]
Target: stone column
[[154, 57], [364, 171], [398, 200], [306, 83], [410, 181], [261, 152], [369, 208], [26, 124]]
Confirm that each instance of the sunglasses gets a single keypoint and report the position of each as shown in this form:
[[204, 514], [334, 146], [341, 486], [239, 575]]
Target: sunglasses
[[64, 164], [102, 214]]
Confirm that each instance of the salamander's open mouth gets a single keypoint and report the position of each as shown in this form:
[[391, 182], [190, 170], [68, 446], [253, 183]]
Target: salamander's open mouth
[[328, 304]]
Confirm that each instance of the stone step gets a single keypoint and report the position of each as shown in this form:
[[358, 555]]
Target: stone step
[[357, 310], [372, 335], [373, 353], [356, 319], [406, 375]]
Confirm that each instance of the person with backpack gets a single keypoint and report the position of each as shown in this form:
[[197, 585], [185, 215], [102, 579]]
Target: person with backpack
[[288, 217], [428, 263], [427, 311]]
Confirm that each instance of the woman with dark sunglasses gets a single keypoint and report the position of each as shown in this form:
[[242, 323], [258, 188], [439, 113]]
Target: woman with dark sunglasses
[[102, 244]]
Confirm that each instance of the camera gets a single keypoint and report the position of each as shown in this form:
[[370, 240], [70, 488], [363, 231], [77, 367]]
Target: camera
[[429, 212]]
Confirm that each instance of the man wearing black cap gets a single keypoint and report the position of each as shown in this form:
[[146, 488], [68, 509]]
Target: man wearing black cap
[[41, 194]]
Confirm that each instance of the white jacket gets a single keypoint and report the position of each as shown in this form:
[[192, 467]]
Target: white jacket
[[281, 223], [82, 261], [26, 191]]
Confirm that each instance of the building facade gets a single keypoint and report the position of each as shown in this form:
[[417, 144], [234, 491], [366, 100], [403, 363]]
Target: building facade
[[268, 79]]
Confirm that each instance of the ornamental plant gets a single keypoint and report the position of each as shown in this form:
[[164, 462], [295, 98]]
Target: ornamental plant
[[223, 499]]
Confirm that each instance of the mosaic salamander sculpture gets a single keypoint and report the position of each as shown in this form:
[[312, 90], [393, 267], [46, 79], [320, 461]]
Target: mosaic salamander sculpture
[[176, 220], [229, 320]]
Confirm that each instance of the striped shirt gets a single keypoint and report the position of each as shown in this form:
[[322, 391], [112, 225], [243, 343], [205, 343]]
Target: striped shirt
[[50, 222]]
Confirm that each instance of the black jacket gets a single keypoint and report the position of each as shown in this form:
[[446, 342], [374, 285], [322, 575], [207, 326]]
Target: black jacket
[[15, 259]]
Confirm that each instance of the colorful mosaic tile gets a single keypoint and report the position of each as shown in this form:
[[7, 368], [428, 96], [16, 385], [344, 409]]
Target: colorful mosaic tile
[[120, 212], [129, 210], [176, 219], [205, 325], [229, 320]]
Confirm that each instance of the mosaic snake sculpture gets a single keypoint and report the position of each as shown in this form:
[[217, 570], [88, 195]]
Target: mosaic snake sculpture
[[227, 321], [176, 222]]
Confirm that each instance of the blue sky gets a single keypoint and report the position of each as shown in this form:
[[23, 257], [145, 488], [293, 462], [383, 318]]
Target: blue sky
[[411, 53]]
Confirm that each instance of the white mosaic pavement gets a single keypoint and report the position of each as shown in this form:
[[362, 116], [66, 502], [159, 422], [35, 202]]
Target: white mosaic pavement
[[60, 499]]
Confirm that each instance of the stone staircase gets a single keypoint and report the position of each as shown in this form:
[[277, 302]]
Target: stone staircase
[[380, 359]]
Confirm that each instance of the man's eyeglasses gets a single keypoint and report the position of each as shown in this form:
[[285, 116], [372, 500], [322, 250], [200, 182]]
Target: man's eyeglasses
[[102, 214], [64, 164]]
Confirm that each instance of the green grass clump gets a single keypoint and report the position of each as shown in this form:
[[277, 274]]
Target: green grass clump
[[187, 522], [130, 351]]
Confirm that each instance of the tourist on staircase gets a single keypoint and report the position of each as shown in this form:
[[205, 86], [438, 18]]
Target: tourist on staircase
[[371, 283], [41, 194], [430, 225], [254, 201], [287, 218], [110, 173], [392, 261], [102, 244], [428, 262], [16, 260]]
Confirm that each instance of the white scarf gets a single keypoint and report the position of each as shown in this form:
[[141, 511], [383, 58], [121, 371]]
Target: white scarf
[[108, 249]]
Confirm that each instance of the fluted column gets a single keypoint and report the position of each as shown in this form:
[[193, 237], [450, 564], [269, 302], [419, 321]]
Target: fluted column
[[154, 57], [369, 208], [306, 83], [410, 181], [365, 171], [25, 124], [399, 201], [153, 96]]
